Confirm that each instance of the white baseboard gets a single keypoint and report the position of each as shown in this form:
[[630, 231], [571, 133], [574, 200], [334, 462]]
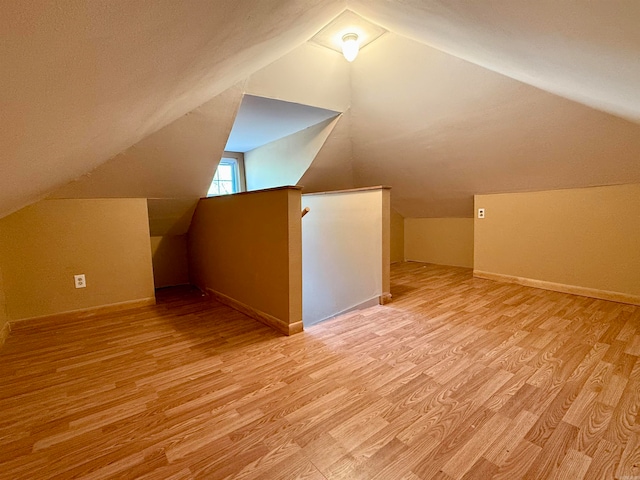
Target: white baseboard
[[561, 287], [90, 311], [269, 320], [372, 302]]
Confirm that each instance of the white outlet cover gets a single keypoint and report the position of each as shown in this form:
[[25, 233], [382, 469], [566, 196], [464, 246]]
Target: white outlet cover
[[481, 213], [80, 281]]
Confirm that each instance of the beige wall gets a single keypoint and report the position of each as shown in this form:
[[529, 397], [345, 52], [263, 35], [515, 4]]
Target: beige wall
[[3, 310], [385, 234], [170, 216], [345, 251], [3, 313], [170, 264], [443, 241], [397, 237], [248, 247], [44, 245], [284, 161], [585, 237]]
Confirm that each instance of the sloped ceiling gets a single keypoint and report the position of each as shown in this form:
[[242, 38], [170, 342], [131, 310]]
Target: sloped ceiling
[[585, 51], [177, 161], [332, 169], [449, 129], [284, 161], [84, 81]]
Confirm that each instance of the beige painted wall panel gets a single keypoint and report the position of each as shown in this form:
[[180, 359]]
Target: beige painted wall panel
[[585, 237], [242, 246], [3, 310], [44, 245], [386, 244], [170, 263], [284, 161], [443, 241], [397, 237], [344, 256], [170, 216], [294, 246]]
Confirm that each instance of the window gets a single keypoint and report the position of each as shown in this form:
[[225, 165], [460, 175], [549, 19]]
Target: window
[[225, 180], [229, 177]]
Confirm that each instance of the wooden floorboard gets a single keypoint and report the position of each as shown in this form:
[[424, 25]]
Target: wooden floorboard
[[457, 378]]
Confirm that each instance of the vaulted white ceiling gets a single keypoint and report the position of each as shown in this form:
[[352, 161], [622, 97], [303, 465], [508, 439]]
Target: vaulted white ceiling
[[460, 98]]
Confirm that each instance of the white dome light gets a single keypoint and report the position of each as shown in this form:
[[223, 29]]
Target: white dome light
[[350, 47]]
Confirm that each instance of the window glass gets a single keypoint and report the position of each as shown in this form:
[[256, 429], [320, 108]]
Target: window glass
[[225, 180]]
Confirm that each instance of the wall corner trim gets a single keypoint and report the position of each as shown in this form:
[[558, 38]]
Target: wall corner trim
[[4, 333], [386, 298], [561, 287], [269, 320], [92, 311]]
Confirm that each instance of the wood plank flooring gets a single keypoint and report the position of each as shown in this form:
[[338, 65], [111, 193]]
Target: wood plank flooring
[[457, 378]]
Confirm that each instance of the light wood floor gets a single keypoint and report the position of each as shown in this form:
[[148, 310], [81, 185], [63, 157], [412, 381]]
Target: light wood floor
[[456, 378]]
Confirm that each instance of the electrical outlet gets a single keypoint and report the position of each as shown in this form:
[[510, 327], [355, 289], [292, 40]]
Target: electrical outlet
[[481, 213], [80, 281]]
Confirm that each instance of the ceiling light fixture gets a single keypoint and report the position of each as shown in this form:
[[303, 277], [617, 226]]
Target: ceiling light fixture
[[350, 47], [345, 30]]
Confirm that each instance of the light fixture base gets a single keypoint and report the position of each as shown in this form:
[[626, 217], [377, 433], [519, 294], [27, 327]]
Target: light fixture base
[[348, 22]]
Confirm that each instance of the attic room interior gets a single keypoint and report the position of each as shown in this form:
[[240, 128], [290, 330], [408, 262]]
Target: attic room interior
[[229, 252]]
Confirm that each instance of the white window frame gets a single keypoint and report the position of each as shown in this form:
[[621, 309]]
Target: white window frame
[[237, 160]]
